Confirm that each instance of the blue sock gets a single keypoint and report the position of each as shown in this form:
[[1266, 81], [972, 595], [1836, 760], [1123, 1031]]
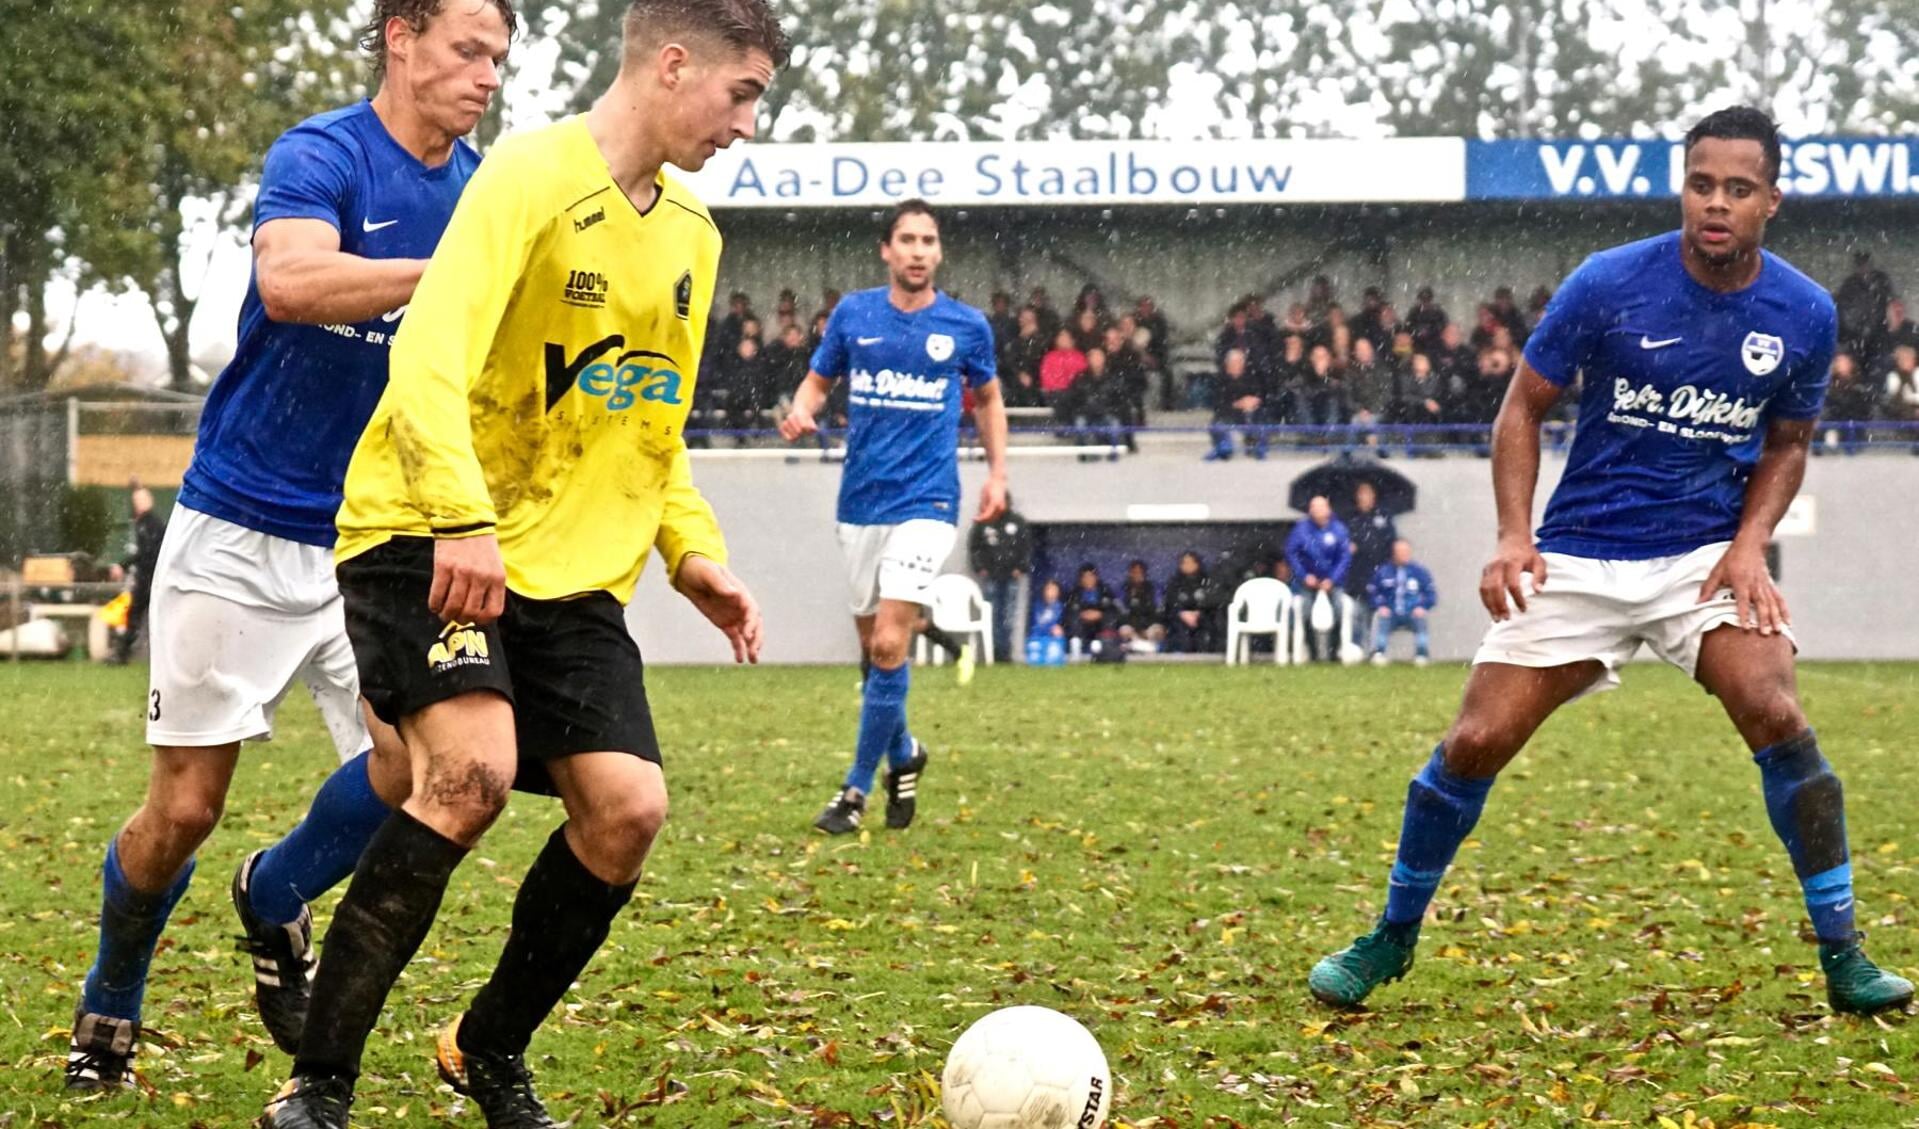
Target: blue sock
[[1808, 811], [130, 925], [882, 720], [1441, 809], [322, 849], [900, 753]]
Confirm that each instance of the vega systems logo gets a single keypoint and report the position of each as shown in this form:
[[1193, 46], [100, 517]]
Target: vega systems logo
[[623, 379]]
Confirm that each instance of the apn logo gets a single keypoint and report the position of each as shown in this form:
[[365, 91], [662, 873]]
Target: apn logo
[[621, 382], [585, 222], [461, 644]]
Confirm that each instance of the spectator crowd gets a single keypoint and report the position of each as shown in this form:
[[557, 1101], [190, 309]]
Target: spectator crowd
[[1350, 376], [1875, 374], [1359, 557]]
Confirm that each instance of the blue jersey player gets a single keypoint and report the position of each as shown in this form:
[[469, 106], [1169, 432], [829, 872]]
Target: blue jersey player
[[907, 352], [1704, 360], [244, 603]]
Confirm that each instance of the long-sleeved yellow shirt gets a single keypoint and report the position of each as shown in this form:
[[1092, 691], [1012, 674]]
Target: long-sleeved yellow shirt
[[542, 377]]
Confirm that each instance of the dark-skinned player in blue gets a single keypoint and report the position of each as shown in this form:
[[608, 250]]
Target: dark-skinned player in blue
[[1705, 363]]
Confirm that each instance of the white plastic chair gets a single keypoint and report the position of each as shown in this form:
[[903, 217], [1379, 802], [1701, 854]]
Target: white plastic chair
[[957, 606], [1261, 606]]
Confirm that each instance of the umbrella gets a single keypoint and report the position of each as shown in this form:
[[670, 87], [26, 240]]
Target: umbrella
[[1340, 477]]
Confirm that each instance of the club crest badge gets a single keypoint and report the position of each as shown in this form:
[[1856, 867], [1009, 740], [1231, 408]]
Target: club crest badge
[[939, 346], [1762, 353], [683, 296]]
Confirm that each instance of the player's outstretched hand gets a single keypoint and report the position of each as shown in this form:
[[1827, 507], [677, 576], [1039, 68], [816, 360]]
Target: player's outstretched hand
[[725, 602], [469, 580], [992, 500], [797, 423], [1761, 606], [1502, 578]]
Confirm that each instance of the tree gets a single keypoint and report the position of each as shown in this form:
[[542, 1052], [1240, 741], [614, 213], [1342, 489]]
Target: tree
[[1527, 68], [258, 69], [71, 132], [1854, 65], [117, 114], [891, 70]]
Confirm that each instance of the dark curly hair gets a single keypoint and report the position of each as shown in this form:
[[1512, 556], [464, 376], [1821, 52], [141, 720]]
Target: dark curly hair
[[416, 13], [1741, 123]]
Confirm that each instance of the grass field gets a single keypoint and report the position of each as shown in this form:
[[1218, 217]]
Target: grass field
[[1161, 852]]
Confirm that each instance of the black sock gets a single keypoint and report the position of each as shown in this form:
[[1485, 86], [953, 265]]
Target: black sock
[[866, 666], [386, 913], [560, 920], [943, 640]]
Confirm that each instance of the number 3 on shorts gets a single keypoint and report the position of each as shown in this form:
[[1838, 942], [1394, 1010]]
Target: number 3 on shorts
[[153, 713]]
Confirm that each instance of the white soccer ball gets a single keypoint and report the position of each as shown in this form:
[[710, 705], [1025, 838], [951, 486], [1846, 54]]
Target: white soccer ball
[[1026, 1068]]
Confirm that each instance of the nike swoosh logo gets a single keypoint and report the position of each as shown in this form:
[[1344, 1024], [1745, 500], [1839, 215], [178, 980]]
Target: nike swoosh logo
[[871, 340], [370, 227], [1649, 343]]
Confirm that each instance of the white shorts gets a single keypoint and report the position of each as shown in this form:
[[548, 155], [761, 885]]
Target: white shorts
[[894, 562], [237, 616], [1603, 610]]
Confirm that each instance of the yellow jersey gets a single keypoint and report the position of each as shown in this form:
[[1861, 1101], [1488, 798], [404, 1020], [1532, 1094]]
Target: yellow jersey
[[540, 383]]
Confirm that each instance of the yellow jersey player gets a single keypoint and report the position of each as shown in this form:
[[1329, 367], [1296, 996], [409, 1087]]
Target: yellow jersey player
[[525, 459]]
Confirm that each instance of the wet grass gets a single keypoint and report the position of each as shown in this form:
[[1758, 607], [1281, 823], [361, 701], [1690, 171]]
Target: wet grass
[[1160, 852]]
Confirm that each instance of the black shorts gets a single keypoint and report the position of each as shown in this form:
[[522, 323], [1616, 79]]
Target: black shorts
[[569, 667]]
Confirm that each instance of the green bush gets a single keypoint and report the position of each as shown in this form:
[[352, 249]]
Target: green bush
[[87, 520]]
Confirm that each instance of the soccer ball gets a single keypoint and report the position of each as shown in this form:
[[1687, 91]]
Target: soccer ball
[[1026, 1068]]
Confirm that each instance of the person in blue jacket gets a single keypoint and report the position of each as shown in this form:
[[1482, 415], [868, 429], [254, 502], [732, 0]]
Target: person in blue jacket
[[1402, 595], [1320, 550]]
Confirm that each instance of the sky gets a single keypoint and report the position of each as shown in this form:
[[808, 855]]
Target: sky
[[218, 262]]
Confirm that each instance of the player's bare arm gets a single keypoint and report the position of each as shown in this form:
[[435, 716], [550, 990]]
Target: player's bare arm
[[802, 417], [305, 278], [1774, 483], [1515, 476], [989, 413], [725, 602]]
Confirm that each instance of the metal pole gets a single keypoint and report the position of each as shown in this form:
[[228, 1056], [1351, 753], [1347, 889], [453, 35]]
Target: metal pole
[[73, 441]]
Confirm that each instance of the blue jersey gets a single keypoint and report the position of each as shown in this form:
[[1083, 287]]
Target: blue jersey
[[1322, 552], [1401, 588], [905, 373], [282, 419], [1680, 385]]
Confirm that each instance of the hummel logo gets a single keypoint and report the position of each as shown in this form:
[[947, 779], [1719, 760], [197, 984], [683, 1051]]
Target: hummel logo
[[370, 227], [1646, 342], [871, 340]]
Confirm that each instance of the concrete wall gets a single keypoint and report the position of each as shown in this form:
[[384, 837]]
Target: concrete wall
[[1197, 261], [1850, 582]]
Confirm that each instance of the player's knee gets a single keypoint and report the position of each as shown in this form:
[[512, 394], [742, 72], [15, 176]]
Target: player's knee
[[639, 819], [465, 798], [616, 838], [1478, 747], [1768, 714], [190, 815], [888, 649]]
